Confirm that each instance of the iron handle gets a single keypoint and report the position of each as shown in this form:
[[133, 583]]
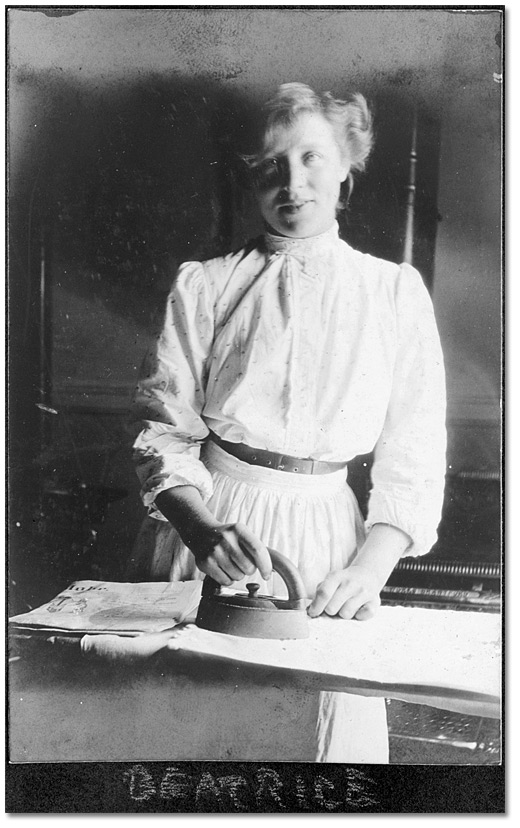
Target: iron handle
[[282, 565], [289, 575]]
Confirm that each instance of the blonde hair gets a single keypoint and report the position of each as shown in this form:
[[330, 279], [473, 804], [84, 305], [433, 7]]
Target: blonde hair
[[350, 119]]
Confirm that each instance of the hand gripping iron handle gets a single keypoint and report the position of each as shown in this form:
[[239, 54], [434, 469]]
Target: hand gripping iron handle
[[283, 567]]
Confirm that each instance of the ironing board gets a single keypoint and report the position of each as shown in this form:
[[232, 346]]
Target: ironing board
[[117, 697]]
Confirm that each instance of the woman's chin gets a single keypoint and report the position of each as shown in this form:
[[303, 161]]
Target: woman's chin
[[299, 227]]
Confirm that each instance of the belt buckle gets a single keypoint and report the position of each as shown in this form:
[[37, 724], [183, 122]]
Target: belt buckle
[[284, 464], [280, 464]]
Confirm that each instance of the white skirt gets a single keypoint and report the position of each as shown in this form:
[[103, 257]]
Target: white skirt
[[315, 521]]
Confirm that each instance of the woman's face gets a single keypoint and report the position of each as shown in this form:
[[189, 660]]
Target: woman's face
[[298, 178]]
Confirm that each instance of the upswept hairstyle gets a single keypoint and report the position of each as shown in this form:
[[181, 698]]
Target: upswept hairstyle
[[350, 119]]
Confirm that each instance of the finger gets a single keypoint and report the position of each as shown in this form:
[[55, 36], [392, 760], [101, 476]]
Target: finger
[[229, 551], [240, 560], [355, 608], [324, 594], [349, 608], [367, 611], [223, 559], [255, 550], [347, 593], [231, 570], [211, 568]]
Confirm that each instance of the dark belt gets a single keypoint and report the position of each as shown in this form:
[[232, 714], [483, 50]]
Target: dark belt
[[279, 462]]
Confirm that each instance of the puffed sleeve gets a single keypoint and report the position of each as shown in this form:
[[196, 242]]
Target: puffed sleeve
[[170, 393], [410, 455]]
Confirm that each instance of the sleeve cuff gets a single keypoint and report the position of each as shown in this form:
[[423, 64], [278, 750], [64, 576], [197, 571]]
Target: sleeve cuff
[[178, 470], [418, 521]]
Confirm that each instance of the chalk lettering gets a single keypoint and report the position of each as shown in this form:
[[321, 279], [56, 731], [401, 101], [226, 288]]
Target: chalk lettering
[[142, 786], [360, 790], [175, 784], [234, 790], [268, 789], [207, 795], [322, 784], [301, 794], [351, 791]]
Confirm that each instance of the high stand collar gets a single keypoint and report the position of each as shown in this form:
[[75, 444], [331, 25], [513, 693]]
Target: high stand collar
[[309, 246]]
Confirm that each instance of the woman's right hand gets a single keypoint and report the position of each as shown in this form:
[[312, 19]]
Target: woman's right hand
[[228, 552], [225, 552]]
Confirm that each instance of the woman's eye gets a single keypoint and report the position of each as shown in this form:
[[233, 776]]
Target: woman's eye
[[269, 166], [312, 156], [267, 173]]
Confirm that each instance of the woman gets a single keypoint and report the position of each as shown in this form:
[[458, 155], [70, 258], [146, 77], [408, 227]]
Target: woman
[[275, 366]]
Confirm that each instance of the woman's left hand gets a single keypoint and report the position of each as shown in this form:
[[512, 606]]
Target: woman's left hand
[[354, 592], [349, 593]]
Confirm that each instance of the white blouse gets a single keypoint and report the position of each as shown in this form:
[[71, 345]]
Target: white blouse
[[308, 348]]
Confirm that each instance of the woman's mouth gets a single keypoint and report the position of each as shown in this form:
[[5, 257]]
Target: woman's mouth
[[293, 206]]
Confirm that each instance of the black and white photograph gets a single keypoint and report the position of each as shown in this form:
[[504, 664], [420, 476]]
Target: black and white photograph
[[254, 409]]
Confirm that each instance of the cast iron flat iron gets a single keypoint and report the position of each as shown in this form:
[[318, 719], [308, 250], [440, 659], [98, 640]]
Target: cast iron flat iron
[[250, 615]]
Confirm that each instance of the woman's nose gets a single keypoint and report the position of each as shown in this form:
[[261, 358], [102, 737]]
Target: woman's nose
[[294, 175]]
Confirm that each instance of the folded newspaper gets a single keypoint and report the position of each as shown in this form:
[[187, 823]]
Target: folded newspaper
[[109, 607]]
